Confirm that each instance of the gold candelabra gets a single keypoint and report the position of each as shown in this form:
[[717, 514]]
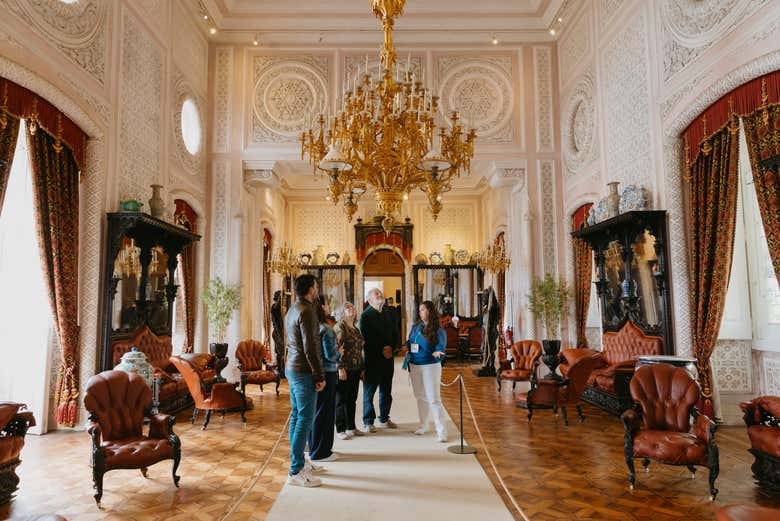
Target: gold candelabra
[[284, 262], [494, 258], [385, 137]]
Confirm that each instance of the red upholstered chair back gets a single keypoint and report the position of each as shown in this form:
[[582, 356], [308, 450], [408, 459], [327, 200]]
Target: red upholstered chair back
[[452, 336], [157, 349], [117, 401], [629, 343], [251, 354], [666, 395], [191, 378], [525, 353], [578, 374], [475, 336]]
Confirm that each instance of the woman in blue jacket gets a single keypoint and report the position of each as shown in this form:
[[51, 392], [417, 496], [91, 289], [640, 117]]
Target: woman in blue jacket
[[427, 342], [321, 438]]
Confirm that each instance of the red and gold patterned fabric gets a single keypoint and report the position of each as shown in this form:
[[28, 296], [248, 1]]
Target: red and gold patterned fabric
[[56, 196], [9, 131], [583, 269]]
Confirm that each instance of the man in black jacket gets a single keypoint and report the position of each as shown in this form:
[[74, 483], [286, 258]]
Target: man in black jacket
[[379, 330], [305, 376]]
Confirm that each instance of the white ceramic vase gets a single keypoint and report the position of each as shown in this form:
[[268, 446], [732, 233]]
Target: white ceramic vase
[[613, 200]]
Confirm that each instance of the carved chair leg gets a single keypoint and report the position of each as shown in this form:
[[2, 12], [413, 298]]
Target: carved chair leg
[[176, 461], [498, 381], [97, 477], [206, 422], [714, 465], [144, 472], [530, 413], [261, 388], [278, 380], [514, 384], [565, 416], [631, 471], [243, 409], [693, 471], [646, 464], [223, 415], [579, 412], [194, 415]]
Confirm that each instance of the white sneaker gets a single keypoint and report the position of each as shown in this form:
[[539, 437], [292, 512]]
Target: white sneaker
[[441, 438], [419, 431], [333, 457], [387, 425], [311, 468], [344, 435], [304, 479], [356, 432], [369, 428]]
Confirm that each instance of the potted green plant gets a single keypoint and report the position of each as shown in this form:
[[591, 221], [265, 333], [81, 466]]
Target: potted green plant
[[221, 300], [549, 301]]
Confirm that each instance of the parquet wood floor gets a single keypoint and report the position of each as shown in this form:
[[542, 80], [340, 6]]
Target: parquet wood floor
[[218, 466], [578, 472]]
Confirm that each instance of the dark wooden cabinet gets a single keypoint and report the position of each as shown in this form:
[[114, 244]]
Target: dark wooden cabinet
[[451, 283], [336, 283], [141, 257], [631, 258]]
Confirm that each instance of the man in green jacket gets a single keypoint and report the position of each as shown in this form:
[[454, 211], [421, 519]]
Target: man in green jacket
[[378, 326]]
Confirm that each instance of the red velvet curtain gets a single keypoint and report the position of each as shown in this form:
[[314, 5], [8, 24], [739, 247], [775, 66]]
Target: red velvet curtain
[[762, 130], [56, 196], [583, 269], [186, 216], [713, 185], [9, 131]]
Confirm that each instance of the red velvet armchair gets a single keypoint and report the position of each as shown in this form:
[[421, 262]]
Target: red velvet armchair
[[254, 366], [117, 403], [525, 357], [762, 417], [549, 393], [659, 427], [747, 513], [221, 397], [14, 422]]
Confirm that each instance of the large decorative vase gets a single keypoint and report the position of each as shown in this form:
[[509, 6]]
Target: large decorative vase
[[134, 361], [319, 255], [219, 350], [551, 350], [449, 254], [613, 200], [156, 203]]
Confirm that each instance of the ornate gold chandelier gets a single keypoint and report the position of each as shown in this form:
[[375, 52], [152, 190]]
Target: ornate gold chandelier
[[384, 137], [494, 258], [284, 262]]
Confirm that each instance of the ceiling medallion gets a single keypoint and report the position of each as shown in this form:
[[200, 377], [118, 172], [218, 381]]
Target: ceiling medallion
[[384, 137]]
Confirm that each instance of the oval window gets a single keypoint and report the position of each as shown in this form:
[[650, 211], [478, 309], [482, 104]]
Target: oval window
[[190, 126]]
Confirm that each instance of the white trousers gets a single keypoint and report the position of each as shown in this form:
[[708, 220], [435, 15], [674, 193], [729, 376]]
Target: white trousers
[[426, 385]]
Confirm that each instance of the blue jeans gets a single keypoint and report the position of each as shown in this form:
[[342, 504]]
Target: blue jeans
[[385, 387], [303, 401]]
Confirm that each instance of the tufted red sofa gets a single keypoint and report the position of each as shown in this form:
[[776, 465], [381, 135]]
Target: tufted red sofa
[[117, 403], [170, 392], [762, 417], [14, 422]]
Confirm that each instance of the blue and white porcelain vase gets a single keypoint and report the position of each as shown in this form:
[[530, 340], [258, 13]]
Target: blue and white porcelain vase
[[633, 198], [134, 361]]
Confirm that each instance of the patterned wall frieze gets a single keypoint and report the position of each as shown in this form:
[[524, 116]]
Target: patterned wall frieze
[[219, 218], [223, 77], [548, 222], [455, 225], [156, 14], [481, 89], [574, 48], [627, 105], [140, 101], [543, 94], [77, 29], [194, 164], [578, 127], [316, 224], [771, 375], [190, 51], [690, 27], [733, 366], [100, 107], [285, 90], [608, 10]]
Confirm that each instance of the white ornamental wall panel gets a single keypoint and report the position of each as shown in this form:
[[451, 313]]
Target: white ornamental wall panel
[[77, 29], [543, 95], [140, 101], [481, 89], [286, 89], [219, 218], [546, 170], [625, 78], [193, 164], [607, 11], [156, 14], [315, 224], [578, 127], [456, 225], [190, 50], [733, 366], [574, 48], [772, 375], [223, 76], [690, 27]]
